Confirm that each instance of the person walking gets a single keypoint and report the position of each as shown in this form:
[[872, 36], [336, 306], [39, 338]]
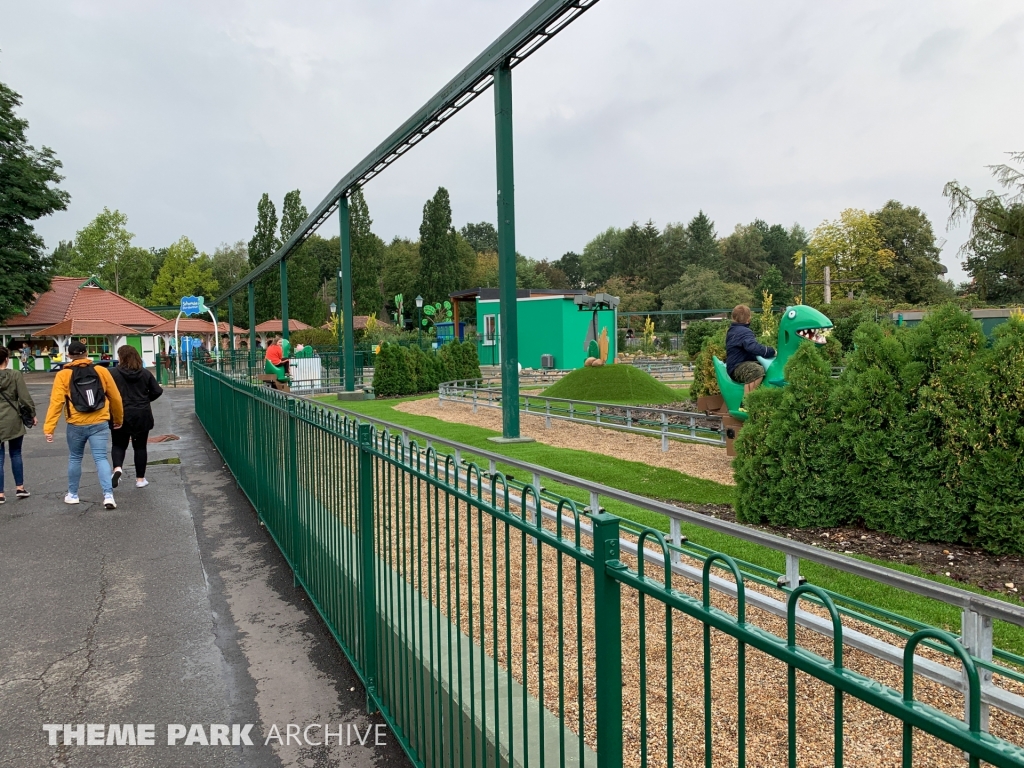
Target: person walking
[[138, 389], [88, 396], [14, 399]]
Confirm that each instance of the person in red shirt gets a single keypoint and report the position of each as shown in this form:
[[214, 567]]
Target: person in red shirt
[[276, 355]]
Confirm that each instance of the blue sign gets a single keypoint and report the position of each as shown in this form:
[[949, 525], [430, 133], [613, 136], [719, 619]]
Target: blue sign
[[192, 305]]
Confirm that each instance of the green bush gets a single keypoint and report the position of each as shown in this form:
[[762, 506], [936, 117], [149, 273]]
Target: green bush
[[704, 380], [318, 337], [695, 334], [393, 376], [922, 436]]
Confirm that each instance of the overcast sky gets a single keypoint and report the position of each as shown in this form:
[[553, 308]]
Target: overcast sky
[[181, 114]]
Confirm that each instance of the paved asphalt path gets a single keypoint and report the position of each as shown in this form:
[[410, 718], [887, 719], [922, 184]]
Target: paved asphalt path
[[175, 608]]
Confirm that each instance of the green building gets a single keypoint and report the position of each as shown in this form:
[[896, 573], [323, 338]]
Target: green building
[[989, 318], [560, 323]]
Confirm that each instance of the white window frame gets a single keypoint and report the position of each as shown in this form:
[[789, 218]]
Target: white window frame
[[490, 328]]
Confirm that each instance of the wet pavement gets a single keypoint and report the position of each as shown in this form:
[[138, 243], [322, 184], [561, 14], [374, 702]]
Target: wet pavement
[[175, 609]]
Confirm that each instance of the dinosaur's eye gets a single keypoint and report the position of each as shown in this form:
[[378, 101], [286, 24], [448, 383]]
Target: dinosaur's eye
[[792, 313]]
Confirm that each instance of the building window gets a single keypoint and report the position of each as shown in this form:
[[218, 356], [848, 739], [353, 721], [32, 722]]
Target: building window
[[489, 330], [96, 345]]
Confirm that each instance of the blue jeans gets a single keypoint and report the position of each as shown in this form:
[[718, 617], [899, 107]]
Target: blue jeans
[[17, 467], [97, 436]]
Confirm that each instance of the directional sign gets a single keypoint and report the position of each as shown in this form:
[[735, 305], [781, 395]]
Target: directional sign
[[192, 305]]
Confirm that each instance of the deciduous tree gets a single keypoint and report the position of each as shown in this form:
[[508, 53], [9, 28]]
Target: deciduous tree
[[482, 236], [28, 192], [701, 288], [262, 246], [853, 249], [185, 272], [915, 276], [440, 270], [744, 259]]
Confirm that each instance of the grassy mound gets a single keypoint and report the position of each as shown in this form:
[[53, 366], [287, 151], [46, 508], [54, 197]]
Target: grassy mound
[[613, 384]]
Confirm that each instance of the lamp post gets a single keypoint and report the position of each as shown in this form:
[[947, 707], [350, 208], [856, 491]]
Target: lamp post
[[419, 320], [334, 308]]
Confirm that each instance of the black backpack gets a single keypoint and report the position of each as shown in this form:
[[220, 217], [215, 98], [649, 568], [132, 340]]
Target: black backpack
[[85, 389]]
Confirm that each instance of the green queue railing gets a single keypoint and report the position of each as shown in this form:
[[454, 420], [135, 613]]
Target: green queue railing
[[488, 630]]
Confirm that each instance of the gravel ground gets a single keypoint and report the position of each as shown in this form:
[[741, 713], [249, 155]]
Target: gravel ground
[[514, 600], [708, 462]]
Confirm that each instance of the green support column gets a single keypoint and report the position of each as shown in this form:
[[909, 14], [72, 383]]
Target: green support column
[[284, 298], [345, 307], [252, 325], [507, 327]]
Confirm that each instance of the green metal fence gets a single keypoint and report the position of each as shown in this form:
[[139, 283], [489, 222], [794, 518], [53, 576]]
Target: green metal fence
[[492, 629]]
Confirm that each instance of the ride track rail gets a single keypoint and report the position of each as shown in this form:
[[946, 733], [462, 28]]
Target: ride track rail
[[652, 421]]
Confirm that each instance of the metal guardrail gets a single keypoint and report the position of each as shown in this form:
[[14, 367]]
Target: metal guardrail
[[446, 627], [666, 423]]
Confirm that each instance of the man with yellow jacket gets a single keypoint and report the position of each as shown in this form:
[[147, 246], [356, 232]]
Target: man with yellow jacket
[[90, 401]]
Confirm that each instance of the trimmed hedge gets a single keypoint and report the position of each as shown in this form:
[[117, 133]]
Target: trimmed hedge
[[402, 371], [922, 436]]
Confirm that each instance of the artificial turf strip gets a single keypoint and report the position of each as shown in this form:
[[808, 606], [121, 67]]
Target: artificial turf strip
[[668, 485], [623, 384]]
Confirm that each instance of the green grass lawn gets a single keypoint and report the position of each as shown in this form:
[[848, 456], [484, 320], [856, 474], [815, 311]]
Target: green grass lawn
[[672, 486]]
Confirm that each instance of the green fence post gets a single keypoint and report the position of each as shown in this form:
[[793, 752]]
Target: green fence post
[[292, 495], [284, 298], [367, 560], [252, 327], [607, 640], [347, 308], [507, 308]]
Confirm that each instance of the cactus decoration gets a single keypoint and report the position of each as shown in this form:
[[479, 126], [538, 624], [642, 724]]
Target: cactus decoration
[[399, 313], [437, 313]]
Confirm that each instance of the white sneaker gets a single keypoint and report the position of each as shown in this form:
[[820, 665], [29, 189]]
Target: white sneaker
[[141, 482], [71, 498], [108, 501]]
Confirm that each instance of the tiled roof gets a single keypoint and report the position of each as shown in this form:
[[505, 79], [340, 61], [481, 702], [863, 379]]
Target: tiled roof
[[66, 300], [274, 326], [192, 325], [85, 328]]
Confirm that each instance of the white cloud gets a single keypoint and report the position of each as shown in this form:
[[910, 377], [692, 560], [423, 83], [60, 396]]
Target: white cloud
[[183, 114]]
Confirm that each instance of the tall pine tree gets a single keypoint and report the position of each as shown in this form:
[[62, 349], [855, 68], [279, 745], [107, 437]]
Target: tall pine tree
[[702, 243], [439, 257], [28, 191], [263, 245]]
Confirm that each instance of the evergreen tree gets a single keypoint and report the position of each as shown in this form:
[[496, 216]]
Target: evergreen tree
[[781, 244], [28, 191], [702, 243], [639, 252], [262, 246], [367, 259], [60, 259], [671, 257], [744, 260], [439, 258]]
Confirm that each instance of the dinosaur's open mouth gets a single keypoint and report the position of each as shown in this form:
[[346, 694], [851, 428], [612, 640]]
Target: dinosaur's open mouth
[[817, 335]]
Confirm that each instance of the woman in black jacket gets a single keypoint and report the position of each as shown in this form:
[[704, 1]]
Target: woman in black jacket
[[138, 389]]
